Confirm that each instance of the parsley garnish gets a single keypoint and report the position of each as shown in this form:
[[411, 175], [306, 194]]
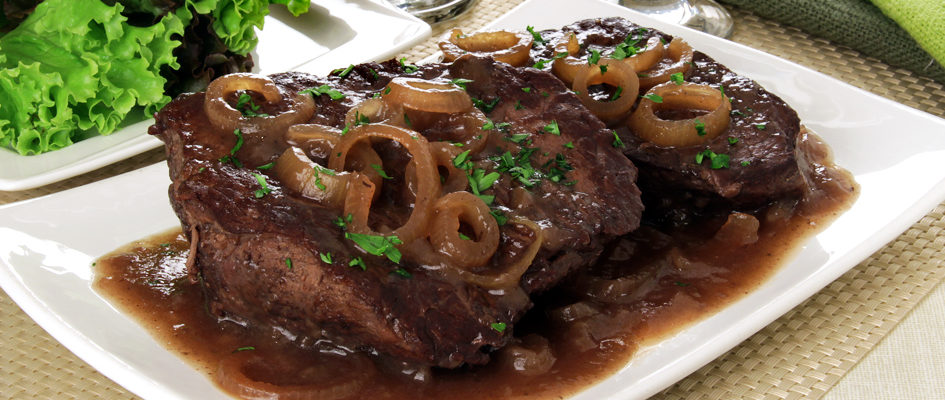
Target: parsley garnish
[[380, 171], [262, 182], [718, 161], [500, 218], [536, 36], [246, 106], [461, 82], [483, 106], [323, 89], [653, 97], [700, 128], [326, 257], [239, 142], [343, 222], [344, 72], [569, 145], [499, 326], [552, 128], [617, 142], [594, 58], [617, 93], [625, 49], [762, 126], [288, 262], [244, 348], [480, 181], [677, 78], [460, 160], [732, 140], [267, 166], [402, 272], [527, 89], [358, 262], [377, 245], [488, 126], [408, 68]]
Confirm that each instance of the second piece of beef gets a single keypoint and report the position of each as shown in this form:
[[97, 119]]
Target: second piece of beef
[[761, 139], [260, 251]]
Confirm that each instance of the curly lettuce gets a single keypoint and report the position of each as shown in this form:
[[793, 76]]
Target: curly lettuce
[[79, 66]]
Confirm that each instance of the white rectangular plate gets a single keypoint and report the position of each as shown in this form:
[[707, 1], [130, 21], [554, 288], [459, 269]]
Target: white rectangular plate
[[894, 152], [333, 33]]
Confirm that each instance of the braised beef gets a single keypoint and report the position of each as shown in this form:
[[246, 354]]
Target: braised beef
[[258, 258], [763, 164]]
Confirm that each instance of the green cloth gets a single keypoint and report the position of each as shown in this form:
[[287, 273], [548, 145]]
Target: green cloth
[[862, 26], [923, 19]]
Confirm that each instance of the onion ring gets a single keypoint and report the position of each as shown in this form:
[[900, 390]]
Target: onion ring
[[297, 172], [449, 212], [226, 118], [508, 47], [645, 124], [428, 96], [569, 66], [317, 140], [237, 374], [512, 273], [619, 75], [678, 51], [428, 183], [648, 58]]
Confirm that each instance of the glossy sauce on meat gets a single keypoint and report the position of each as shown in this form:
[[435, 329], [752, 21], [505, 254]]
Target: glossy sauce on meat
[[648, 285]]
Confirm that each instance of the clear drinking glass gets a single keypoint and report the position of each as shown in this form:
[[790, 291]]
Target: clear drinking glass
[[704, 15], [433, 11]]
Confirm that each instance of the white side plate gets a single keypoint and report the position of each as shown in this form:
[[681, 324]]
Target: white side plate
[[333, 33], [894, 152]]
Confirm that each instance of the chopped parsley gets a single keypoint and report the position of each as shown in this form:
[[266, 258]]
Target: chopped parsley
[[552, 128], [244, 348], [247, 107], [488, 126], [402, 273], [700, 128], [518, 105], [557, 168], [519, 167], [262, 182], [500, 218], [594, 58], [239, 142], [323, 89], [603, 69], [653, 97], [267, 166], [718, 161], [407, 67], [377, 245], [380, 171], [536, 36], [318, 169], [326, 257], [616, 94], [480, 181], [343, 222], [460, 161], [527, 89], [288, 262], [761, 126], [617, 142], [464, 237], [484, 106], [499, 326], [626, 49], [460, 82], [541, 63], [343, 72], [732, 140], [358, 262], [746, 163], [569, 145], [677, 78], [517, 138]]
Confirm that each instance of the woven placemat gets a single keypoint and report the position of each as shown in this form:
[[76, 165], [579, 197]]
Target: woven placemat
[[801, 355]]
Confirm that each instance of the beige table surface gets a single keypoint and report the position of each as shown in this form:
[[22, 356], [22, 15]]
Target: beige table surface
[[875, 333]]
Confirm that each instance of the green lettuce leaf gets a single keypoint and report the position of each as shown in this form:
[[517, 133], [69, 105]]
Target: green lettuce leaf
[[76, 65]]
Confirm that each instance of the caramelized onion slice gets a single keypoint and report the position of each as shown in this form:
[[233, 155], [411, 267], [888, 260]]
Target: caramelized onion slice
[[428, 96], [618, 75], [508, 47], [513, 272], [226, 118], [684, 132], [427, 179], [568, 67], [254, 374], [375, 110], [315, 139], [458, 208], [680, 53], [452, 179], [297, 172], [646, 59], [530, 357]]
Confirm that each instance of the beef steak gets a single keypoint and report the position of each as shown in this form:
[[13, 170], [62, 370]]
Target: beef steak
[[261, 258]]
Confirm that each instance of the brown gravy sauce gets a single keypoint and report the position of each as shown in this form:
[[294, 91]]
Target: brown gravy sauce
[[648, 285]]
